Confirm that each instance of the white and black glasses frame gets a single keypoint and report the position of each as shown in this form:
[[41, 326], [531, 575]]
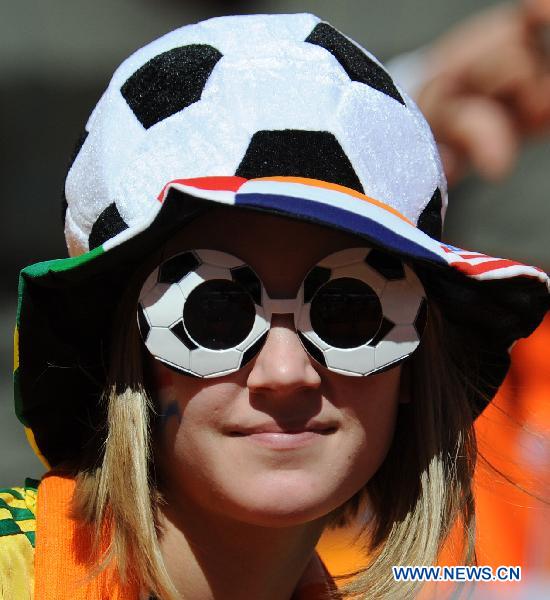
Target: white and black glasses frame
[[206, 313]]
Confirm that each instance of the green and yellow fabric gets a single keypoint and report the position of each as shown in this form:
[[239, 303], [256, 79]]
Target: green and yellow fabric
[[17, 540]]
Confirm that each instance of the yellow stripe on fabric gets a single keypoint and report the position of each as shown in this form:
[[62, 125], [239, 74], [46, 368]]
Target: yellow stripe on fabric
[[30, 499], [16, 348], [32, 443], [5, 514], [9, 499], [27, 525], [14, 492], [16, 568], [339, 188]]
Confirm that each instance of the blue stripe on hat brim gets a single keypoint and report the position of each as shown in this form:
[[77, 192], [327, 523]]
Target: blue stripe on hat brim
[[323, 214]]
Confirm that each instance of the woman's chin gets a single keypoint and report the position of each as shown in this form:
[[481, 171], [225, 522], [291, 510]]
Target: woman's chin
[[280, 516], [281, 501]]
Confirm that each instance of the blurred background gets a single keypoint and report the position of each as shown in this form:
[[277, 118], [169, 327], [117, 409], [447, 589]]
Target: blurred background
[[56, 57]]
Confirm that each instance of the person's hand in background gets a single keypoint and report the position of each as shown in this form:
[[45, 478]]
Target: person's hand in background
[[486, 87]]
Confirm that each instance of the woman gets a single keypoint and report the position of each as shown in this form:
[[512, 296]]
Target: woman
[[258, 334]]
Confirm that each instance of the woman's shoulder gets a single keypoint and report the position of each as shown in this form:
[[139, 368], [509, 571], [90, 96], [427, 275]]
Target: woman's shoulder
[[17, 538]]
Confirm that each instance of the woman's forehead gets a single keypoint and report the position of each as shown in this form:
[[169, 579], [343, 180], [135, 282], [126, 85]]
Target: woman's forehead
[[279, 249]]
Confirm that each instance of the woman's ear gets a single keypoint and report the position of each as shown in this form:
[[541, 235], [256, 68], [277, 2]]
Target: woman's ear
[[405, 384]]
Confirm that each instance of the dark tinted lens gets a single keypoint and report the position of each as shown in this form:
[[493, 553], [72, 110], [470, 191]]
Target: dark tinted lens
[[219, 314], [346, 313]]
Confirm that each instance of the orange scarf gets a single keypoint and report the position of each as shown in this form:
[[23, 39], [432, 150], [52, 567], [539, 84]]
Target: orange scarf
[[63, 547]]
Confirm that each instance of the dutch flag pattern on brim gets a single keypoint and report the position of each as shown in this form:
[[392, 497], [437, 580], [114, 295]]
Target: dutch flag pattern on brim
[[348, 209]]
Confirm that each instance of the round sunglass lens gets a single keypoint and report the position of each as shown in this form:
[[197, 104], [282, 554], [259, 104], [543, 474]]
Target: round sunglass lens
[[346, 313], [219, 314]]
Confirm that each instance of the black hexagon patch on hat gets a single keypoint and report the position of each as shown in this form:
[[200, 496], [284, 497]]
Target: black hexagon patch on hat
[[298, 153], [430, 220], [169, 82], [107, 225], [354, 61]]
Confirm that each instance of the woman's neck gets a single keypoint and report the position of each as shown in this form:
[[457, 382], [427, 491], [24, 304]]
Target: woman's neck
[[210, 557]]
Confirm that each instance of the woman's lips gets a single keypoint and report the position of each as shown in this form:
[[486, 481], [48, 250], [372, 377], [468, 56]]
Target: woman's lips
[[285, 440]]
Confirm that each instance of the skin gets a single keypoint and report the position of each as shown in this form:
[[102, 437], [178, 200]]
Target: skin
[[236, 511]]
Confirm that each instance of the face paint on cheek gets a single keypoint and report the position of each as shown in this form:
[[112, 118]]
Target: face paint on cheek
[[169, 407], [170, 411]]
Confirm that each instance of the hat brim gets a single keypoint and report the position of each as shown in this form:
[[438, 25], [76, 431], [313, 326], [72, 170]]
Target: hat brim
[[66, 307]]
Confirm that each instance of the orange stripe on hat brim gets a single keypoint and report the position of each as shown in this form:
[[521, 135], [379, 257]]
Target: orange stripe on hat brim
[[338, 188]]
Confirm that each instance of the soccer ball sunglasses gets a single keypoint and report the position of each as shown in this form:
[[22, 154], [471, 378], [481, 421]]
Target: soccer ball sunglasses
[[206, 313]]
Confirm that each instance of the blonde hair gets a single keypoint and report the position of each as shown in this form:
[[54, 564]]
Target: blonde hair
[[420, 491], [424, 486]]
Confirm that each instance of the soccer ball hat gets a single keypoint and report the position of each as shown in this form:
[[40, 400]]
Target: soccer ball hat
[[278, 113]]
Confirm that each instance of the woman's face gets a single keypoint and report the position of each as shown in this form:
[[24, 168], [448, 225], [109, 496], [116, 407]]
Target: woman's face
[[221, 443]]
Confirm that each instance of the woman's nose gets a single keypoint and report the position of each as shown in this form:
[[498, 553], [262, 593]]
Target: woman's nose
[[282, 365]]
